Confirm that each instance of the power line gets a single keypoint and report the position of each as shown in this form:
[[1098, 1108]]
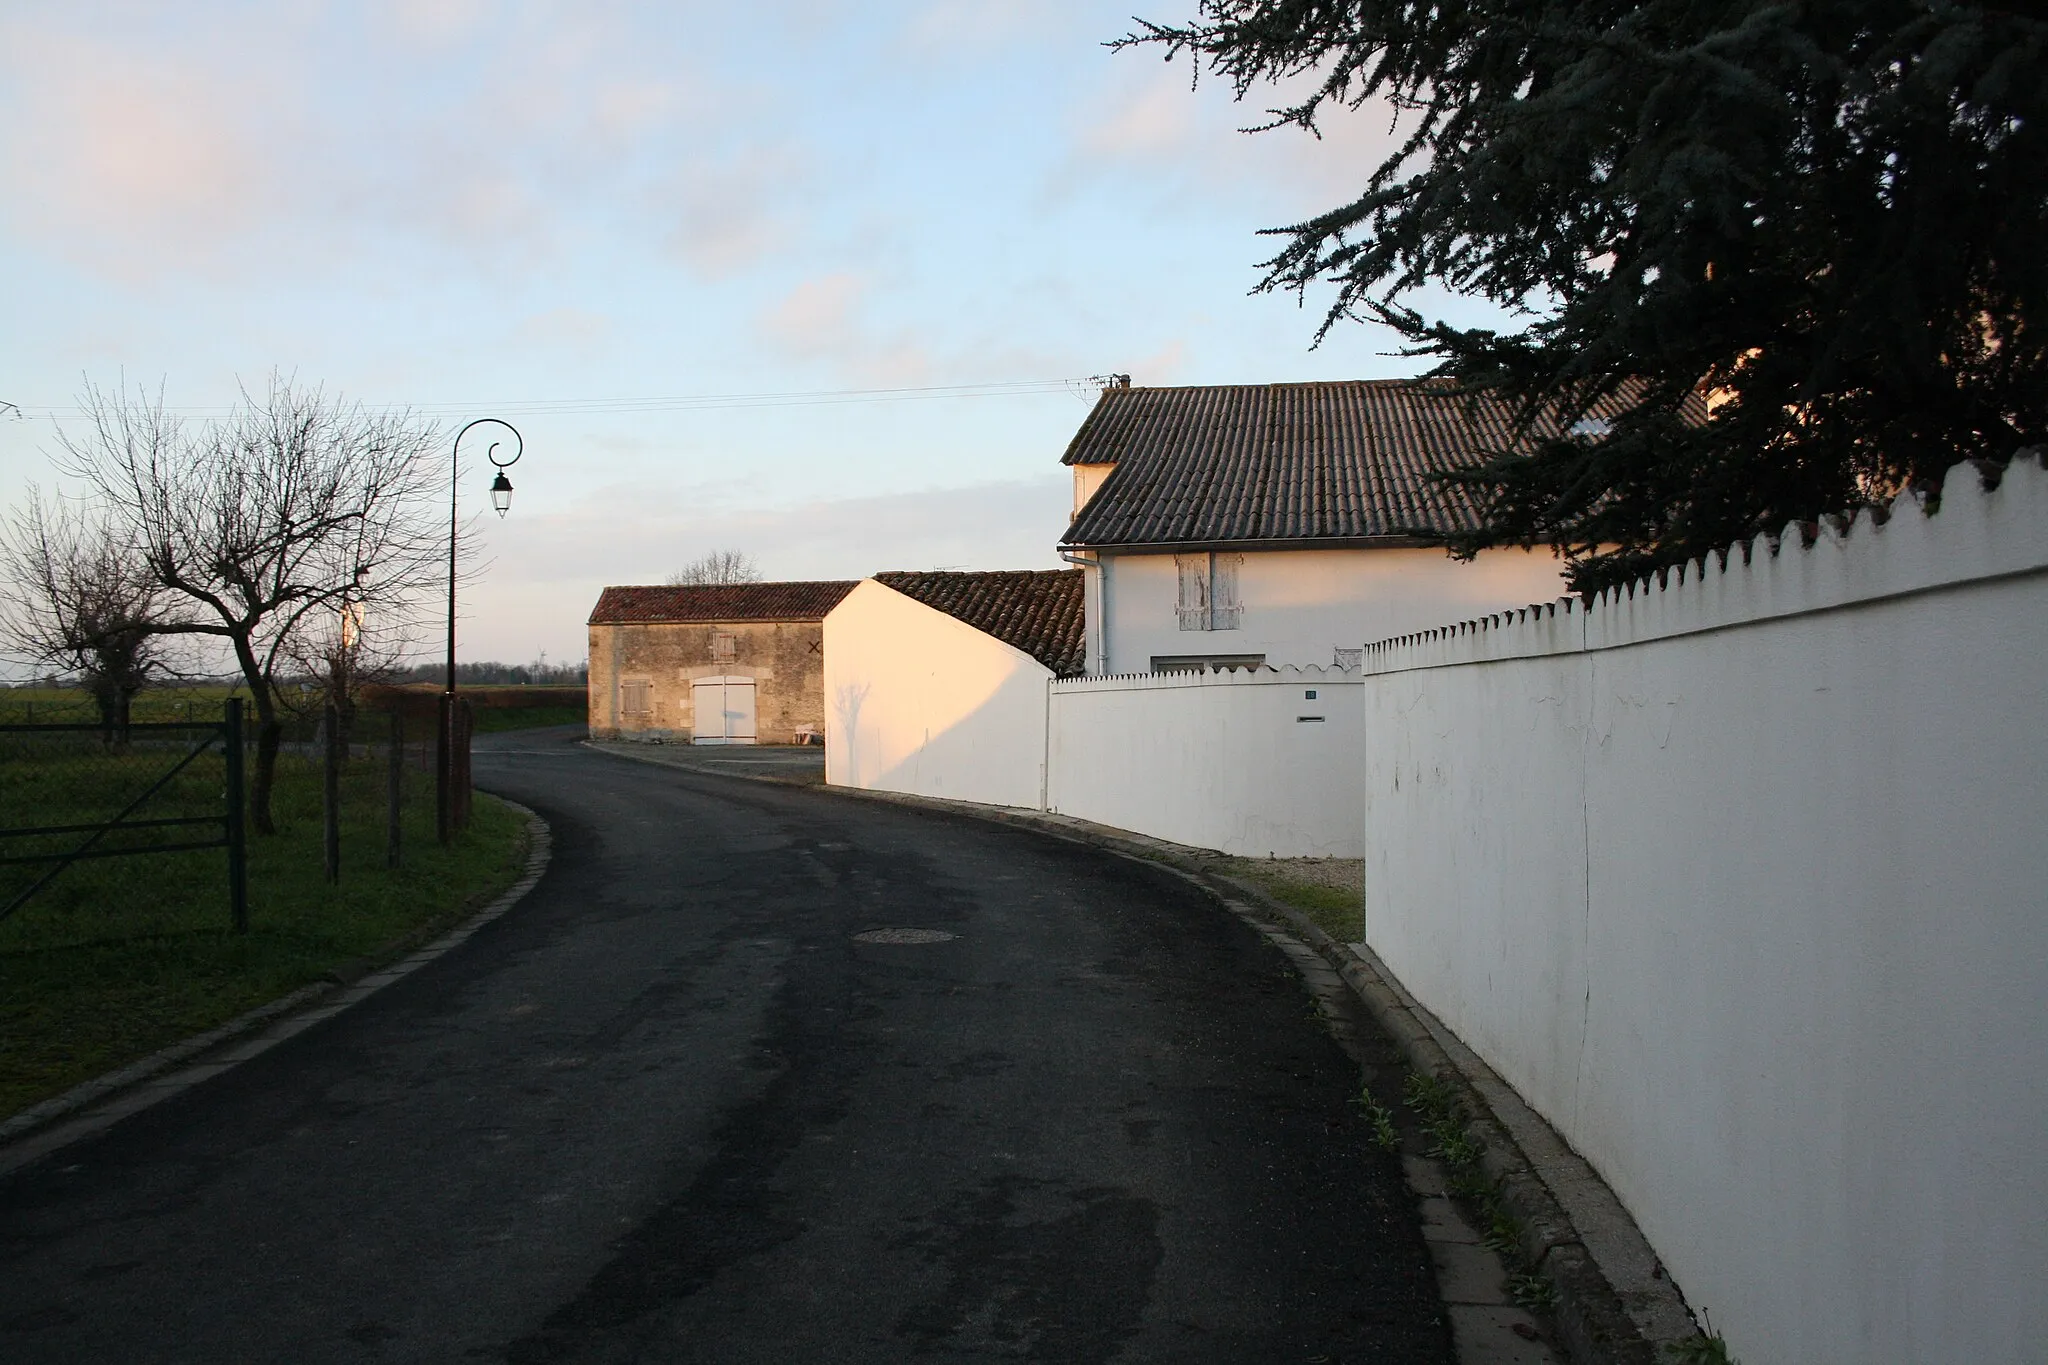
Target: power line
[[1082, 387]]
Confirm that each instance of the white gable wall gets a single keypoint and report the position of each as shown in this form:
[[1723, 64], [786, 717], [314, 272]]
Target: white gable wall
[[917, 701], [1299, 606]]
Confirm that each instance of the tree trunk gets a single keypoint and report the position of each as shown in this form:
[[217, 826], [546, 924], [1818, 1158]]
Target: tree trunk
[[269, 735]]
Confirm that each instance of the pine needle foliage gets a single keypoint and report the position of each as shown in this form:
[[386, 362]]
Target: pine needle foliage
[[1804, 239]]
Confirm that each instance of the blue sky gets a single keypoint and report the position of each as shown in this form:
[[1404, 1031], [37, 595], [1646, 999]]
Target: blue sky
[[467, 205]]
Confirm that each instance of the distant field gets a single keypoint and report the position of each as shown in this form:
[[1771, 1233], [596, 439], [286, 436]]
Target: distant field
[[72, 706], [497, 708]]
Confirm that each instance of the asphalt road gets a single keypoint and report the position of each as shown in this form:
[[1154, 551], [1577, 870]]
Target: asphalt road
[[674, 1107]]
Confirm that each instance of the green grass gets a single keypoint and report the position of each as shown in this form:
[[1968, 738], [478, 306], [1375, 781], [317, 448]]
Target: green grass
[[491, 719], [71, 706], [121, 956], [1338, 911]]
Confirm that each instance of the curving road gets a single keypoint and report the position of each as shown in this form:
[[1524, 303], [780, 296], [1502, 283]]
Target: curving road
[[674, 1107]]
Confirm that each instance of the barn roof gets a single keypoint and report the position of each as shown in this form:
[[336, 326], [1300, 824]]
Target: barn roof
[[1286, 462], [709, 602], [1035, 610]]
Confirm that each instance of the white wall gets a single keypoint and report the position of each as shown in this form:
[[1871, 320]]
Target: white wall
[[917, 701], [1216, 760], [1742, 882], [1301, 605]]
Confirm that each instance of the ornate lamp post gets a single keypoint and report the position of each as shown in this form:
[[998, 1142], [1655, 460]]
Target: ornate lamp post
[[501, 499]]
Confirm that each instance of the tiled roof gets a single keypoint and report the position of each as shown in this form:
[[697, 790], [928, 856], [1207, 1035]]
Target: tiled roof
[[1344, 460], [718, 602], [1036, 610]]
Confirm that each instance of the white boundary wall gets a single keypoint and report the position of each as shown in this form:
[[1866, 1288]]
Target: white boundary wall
[[918, 701], [1742, 882], [1245, 762]]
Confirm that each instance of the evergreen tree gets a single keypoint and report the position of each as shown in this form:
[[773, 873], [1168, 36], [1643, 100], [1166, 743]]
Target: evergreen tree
[[1807, 240]]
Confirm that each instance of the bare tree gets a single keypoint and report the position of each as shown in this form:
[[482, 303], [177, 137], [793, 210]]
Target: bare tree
[[339, 652], [718, 566], [82, 599], [294, 509]]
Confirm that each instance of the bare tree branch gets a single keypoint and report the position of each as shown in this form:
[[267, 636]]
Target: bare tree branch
[[718, 566], [298, 508]]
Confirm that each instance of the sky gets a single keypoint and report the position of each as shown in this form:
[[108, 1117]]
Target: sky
[[563, 213]]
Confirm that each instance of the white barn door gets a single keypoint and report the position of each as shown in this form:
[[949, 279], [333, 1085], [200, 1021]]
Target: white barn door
[[722, 711]]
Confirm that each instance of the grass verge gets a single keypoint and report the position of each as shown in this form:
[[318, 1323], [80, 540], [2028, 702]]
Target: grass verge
[[491, 719], [1330, 891], [120, 957]]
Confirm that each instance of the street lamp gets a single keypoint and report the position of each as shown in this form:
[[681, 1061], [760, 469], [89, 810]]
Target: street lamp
[[501, 499]]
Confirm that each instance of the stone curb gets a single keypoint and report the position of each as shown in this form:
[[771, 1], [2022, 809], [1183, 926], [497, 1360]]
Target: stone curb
[[91, 1108]]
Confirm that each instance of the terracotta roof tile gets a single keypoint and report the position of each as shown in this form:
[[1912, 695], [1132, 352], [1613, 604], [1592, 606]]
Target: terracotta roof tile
[[718, 602], [1346, 460], [1035, 610]]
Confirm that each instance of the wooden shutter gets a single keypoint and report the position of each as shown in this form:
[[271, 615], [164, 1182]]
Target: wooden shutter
[[1223, 605], [1192, 603]]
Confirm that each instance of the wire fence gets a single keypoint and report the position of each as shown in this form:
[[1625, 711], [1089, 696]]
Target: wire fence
[[107, 833], [80, 794]]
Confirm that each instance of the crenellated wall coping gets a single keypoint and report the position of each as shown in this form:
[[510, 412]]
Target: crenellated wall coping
[[1986, 522], [1263, 676]]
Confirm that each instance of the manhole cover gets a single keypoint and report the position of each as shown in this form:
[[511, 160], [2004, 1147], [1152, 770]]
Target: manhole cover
[[903, 936]]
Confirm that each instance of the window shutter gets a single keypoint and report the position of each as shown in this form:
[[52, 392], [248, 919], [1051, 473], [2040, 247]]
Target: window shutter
[[1192, 604], [1224, 609]]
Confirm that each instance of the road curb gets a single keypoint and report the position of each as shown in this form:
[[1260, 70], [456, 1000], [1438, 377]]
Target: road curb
[[93, 1107], [1596, 1322]]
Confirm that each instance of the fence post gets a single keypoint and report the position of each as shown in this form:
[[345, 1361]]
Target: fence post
[[330, 792], [394, 790], [444, 764], [465, 729], [238, 856]]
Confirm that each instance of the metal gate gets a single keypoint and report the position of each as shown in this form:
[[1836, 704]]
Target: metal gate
[[159, 801]]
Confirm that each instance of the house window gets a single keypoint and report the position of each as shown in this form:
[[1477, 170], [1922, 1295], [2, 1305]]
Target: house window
[[1205, 663], [1207, 599], [725, 646], [636, 697]]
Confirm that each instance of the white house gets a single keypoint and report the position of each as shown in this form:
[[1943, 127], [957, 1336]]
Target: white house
[[1276, 524], [936, 683]]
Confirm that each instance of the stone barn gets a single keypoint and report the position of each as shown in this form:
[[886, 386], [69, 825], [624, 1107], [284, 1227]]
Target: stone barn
[[740, 663]]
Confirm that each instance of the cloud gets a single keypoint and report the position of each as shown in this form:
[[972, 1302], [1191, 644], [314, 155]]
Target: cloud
[[1144, 124], [825, 318], [107, 146], [573, 328], [298, 137], [981, 27], [731, 211], [435, 24]]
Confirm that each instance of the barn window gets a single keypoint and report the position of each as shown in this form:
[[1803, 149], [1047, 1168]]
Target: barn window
[[1207, 597], [725, 646], [637, 696]]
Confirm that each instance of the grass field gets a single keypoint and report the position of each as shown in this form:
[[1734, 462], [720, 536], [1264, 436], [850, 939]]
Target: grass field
[[497, 708], [121, 956]]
